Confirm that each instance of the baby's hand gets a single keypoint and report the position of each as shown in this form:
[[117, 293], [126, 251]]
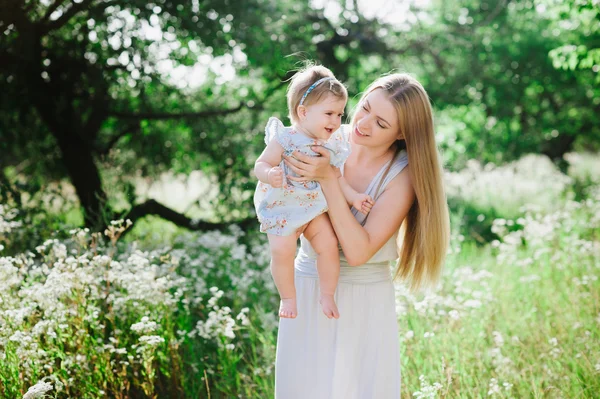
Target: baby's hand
[[363, 203], [275, 177]]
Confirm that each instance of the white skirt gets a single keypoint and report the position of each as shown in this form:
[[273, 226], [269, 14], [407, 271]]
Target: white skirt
[[353, 357]]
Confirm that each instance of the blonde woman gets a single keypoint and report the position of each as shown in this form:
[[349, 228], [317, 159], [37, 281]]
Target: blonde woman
[[394, 159]]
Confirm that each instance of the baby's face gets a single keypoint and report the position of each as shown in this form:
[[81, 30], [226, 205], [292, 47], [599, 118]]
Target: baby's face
[[321, 119]]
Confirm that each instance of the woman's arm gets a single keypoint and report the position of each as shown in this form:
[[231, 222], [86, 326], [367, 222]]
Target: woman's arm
[[358, 243], [266, 166], [361, 243]]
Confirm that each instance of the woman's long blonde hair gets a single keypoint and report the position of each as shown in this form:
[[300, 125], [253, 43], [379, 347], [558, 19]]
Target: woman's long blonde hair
[[425, 233]]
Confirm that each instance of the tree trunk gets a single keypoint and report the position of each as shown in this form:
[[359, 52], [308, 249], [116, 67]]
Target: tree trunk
[[85, 176], [557, 148]]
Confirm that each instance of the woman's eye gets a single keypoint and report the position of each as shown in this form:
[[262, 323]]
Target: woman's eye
[[380, 125], [365, 108]]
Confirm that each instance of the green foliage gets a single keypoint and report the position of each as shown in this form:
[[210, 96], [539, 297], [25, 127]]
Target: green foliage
[[109, 319], [480, 194], [119, 319], [489, 67], [506, 78], [581, 26]]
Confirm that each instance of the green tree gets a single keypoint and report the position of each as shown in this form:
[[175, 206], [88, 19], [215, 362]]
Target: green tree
[[84, 96], [82, 78], [488, 66]]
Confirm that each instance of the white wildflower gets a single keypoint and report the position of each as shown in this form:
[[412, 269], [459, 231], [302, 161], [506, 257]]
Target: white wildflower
[[494, 388], [38, 390], [151, 340], [144, 326], [498, 339], [243, 318], [427, 390], [454, 314]]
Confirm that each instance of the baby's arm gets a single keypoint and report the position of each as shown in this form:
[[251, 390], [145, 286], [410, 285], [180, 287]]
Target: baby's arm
[[266, 167], [361, 202]]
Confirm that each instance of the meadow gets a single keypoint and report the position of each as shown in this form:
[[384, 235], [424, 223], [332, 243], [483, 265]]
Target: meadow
[[516, 314]]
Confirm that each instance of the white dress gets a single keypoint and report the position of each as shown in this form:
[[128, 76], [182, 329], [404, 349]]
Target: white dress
[[353, 357], [282, 211]]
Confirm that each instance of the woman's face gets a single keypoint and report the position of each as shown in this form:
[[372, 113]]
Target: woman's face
[[376, 121]]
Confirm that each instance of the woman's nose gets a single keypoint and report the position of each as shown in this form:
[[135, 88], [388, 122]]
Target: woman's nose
[[363, 124]]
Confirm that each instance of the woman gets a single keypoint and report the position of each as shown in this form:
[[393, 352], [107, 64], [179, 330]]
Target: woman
[[394, 159]]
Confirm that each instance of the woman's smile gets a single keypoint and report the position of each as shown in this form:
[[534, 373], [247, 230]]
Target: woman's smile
[[359, 133]]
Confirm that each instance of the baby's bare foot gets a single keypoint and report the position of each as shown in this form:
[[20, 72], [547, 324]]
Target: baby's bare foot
[[329, 307], [287, 308]]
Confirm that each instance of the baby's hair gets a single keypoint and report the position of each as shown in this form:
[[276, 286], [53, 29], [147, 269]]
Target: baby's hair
[[303, 80]]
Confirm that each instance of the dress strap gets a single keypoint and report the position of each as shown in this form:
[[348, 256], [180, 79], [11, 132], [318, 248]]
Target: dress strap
[[394, 167]]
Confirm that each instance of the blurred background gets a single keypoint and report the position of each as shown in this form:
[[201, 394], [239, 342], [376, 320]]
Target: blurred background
[[155, 111], [107, 105]]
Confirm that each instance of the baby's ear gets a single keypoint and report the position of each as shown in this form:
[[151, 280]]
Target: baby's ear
[[301, 111]]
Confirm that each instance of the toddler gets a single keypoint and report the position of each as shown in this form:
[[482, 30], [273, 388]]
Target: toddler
[[286, 208]]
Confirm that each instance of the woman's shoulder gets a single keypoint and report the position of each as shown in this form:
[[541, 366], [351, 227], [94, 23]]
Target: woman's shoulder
[[400, 164], [402, 158]]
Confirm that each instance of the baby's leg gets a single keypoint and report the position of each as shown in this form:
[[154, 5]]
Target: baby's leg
[[283, 250], [324, 241]]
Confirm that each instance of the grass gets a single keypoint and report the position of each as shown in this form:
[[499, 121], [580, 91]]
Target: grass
[[192, 315], [538, 336]]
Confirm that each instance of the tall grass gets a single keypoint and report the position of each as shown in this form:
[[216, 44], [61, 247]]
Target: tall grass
[[520, 318], [195, 315]]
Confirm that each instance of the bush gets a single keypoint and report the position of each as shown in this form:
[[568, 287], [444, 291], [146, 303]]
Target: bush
[[98, 318]]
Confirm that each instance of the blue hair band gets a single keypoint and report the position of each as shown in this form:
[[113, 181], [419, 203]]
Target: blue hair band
[[313, 86]]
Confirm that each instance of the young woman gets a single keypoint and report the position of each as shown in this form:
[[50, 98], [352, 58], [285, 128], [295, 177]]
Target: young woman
[[394, 159]]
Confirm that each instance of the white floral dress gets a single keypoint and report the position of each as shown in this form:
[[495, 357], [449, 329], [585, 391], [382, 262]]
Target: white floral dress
[[281, 211]]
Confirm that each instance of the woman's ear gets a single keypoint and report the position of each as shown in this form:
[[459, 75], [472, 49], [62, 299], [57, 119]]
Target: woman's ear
[[301, 112]]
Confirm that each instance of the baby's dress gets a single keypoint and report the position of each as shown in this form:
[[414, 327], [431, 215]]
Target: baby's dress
[[281, 211]]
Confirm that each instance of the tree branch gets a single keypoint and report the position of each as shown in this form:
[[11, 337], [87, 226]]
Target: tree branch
[[132, 127], [501, 4], [53, 7], [63, 19], [153, 207], [355, 4], [161, 116]]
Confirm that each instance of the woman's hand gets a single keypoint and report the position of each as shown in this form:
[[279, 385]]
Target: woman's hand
[[310, 168]]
